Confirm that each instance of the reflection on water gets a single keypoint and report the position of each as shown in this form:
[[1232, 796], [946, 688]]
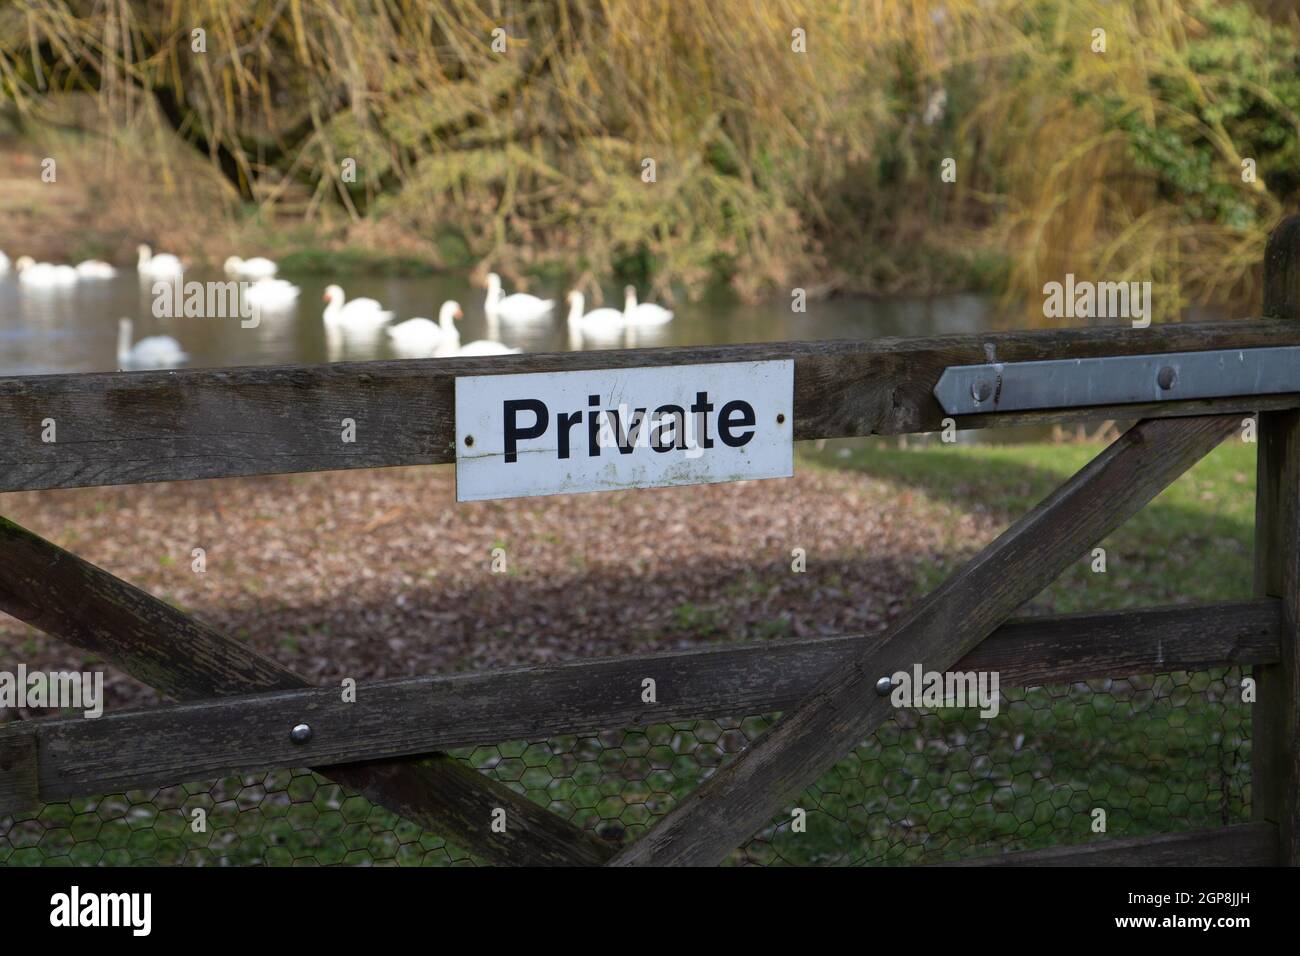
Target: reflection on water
[[75, 330]]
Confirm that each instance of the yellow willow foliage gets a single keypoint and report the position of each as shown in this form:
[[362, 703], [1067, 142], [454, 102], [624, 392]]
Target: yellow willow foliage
[[1072, 198], [787, 139]]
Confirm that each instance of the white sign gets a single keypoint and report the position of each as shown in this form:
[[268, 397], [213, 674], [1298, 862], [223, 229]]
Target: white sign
[[553, 433]]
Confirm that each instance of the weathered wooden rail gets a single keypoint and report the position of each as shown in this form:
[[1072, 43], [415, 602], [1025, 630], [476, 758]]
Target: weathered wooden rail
[[236, 707], [125, 427]]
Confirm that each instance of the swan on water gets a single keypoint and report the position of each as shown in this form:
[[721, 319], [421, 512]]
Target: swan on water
[[44, 274], [255, 268], [450, 346], [421, 334], [647, 313], [271, 293], [597, 321], [356, 315], [161, 266], [95, 269], [518, 307], [155, 351]]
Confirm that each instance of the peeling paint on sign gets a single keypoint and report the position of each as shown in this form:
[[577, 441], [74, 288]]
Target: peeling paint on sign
[[553, 433]]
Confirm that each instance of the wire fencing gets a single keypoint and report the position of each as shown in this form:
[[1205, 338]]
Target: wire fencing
[[1058, 764]]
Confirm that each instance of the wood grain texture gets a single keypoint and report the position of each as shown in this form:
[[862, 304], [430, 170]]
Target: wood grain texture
[[211, 738], [1282, 271], [1245, 844], [1275, 716], [62, 595], [125, 427], [747, 792], [18, 768], [1275, 725]]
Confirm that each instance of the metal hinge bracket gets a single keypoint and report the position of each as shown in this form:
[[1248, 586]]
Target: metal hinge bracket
[[1117, 380]]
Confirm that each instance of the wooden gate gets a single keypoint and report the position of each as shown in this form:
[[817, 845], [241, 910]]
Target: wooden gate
[[236, 707]]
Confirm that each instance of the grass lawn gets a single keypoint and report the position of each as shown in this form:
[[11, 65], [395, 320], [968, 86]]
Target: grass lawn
[[1193, 543], [1155, 752]]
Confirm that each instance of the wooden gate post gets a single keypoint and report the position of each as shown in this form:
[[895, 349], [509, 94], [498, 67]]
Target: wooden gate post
[[1275, 724]]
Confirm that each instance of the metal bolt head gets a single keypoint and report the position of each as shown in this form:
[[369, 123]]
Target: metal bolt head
[[981, 390], [884, 686], [1166, 377], [300, 734]]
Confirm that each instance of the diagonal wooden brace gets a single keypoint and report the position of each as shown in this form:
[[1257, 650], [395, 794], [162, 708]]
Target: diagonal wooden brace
[[745, 794], [62, 595]]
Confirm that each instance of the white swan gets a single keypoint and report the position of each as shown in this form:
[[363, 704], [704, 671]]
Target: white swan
[[156, 351], [4, 263], [421, 334], [595, 322], [271, 294], [519, 307], [647, 313], [450, 345], [486, 347], [255, 268], [44, 274], [358, 315], [162, 266], [95, 269]]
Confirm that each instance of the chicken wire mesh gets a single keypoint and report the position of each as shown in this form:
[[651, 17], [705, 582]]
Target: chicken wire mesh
[[1158, 754]]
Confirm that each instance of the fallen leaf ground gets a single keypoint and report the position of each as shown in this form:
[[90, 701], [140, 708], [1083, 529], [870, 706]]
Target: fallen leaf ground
[[378, 574], [372, 574], [381, 573]]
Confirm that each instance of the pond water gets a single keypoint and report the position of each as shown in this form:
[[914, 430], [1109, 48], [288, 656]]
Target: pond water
[[46, 331]]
